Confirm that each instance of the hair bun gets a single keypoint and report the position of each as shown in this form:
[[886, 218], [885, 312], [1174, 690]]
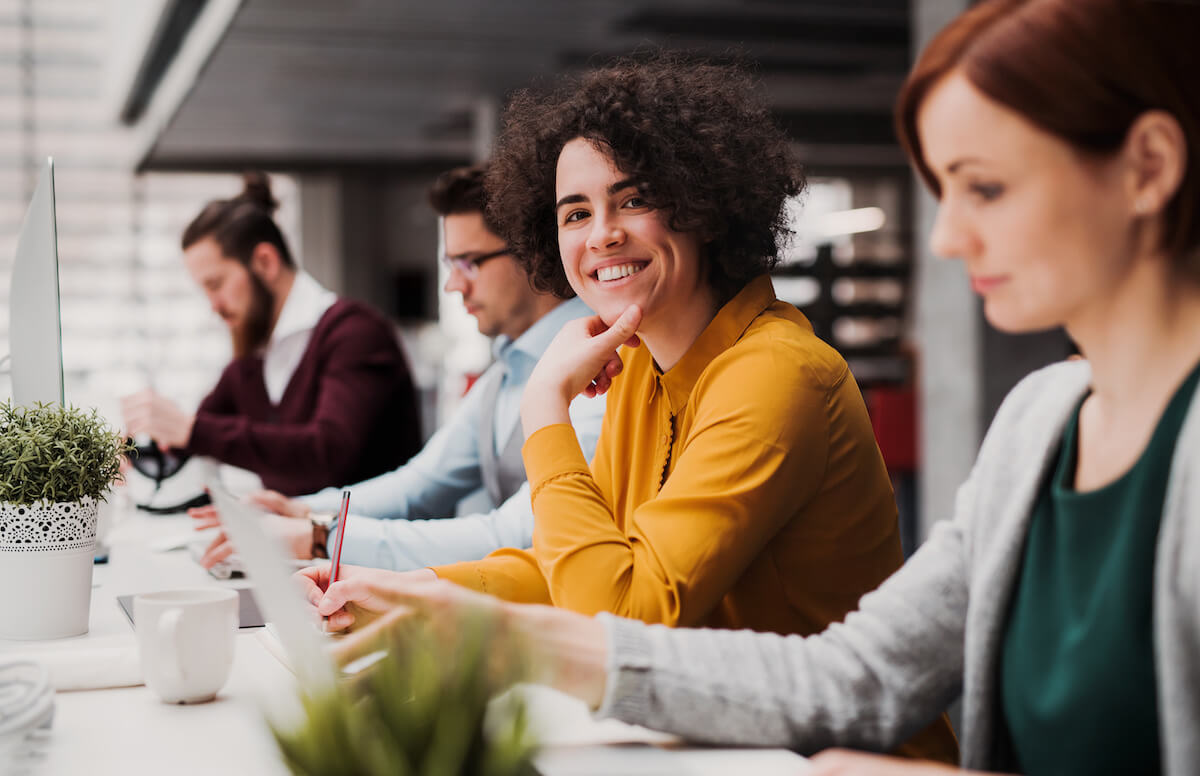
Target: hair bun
[[256, 188]]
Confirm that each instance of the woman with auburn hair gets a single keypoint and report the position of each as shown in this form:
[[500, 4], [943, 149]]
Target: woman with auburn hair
[[656, 191], [1062, 601]]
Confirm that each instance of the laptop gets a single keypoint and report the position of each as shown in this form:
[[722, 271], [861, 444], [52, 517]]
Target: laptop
[[278, 596]]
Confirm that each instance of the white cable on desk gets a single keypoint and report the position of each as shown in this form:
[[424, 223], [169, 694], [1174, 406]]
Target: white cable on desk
[[26, 703], [26, 697]]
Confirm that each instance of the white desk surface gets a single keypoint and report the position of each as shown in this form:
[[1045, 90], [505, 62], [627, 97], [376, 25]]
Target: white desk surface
[[129, 731]]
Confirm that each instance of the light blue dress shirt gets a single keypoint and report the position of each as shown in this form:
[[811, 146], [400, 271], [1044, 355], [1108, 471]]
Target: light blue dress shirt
[[401, 520]]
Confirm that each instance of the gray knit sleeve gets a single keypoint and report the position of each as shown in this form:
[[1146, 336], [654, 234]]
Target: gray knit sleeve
[[870, 682]]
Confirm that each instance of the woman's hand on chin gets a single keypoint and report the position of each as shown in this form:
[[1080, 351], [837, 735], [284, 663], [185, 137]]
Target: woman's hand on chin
[[582, 358]]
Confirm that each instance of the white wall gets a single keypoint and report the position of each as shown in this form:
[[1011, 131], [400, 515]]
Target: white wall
[[130, 314]]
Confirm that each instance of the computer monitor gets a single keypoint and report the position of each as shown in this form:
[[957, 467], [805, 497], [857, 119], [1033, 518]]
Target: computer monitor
[[34, 325]]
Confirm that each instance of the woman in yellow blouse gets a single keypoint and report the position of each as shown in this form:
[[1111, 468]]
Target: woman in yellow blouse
[[737, 483]]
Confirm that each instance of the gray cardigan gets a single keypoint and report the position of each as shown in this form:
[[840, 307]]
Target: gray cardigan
[[932, 631]]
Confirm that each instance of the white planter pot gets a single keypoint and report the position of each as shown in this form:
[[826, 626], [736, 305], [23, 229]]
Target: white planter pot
[[46, 553]]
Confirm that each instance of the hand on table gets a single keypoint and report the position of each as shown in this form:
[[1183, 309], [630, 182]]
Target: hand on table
[[146, 412], [295, 535], [361, 595], [270, 501], [204, 517], [843, 762], [279, 504], [525, 642], [582, 358], [450, 617]]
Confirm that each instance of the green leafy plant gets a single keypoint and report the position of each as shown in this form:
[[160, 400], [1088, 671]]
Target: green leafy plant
[[418, 711], [59, 454]]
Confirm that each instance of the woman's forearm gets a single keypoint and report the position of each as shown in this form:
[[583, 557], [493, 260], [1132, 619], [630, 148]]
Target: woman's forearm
[[544, 405], [570, 651]]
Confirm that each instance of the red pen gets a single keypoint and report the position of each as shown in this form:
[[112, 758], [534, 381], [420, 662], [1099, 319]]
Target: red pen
[[343, 515]]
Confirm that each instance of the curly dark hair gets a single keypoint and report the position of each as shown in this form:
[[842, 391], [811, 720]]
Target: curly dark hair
[[701, 146]]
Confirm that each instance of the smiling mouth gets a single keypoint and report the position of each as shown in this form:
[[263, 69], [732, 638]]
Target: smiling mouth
[[982, 285], [618, 271]]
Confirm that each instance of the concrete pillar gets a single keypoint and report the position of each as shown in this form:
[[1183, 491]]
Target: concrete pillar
[[321, 229], [966, 366], [948, 333], [484, 127]]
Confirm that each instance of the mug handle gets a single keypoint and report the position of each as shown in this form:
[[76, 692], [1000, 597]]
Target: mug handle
[[168, 634]]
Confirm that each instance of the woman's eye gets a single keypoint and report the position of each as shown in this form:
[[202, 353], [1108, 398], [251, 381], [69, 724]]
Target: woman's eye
[[575, 215], [636, 202], [986, 191]]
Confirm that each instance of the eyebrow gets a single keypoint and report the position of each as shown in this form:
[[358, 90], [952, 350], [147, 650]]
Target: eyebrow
[[957, 164], [613, 189]]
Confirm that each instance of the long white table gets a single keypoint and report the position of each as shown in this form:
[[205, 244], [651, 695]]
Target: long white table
[[129, 731]]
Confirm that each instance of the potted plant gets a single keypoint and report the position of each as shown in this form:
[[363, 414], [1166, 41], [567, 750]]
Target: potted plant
[[56, 466], [422, 710]]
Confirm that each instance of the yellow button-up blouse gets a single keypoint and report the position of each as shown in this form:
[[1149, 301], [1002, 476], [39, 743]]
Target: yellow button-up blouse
[[740, 489], [743, 488]]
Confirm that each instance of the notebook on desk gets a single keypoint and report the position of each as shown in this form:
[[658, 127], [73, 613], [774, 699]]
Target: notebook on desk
[[249, 615]]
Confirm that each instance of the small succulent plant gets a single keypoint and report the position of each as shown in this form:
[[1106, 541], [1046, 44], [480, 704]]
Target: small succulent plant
[[57, 454]]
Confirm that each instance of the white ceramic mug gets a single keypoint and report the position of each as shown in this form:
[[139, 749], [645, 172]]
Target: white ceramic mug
[[186, 641]]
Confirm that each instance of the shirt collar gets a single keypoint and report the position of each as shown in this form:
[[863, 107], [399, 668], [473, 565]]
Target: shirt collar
[[534, 341], [726, 328], [305, 304]]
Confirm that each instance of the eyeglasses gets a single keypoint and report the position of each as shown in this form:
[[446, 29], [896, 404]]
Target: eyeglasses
[[469, 268]]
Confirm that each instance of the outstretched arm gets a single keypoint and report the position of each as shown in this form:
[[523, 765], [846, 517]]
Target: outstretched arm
[[870, 682], [401, 545]]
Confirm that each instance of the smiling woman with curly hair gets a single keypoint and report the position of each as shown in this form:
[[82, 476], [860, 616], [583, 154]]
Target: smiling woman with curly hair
[[736, 483], [703, 153]]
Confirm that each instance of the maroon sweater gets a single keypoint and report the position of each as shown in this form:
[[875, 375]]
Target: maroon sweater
[[348, 413]]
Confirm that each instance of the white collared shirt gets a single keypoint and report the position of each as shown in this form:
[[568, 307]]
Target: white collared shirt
[[305, 304]]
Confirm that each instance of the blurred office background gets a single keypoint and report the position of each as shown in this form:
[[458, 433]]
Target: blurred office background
[[151, 107]]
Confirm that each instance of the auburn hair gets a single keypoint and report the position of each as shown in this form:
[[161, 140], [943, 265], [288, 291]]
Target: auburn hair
[[1082, 70]]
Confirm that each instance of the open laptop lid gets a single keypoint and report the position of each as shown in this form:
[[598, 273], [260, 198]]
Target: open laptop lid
[[35, 326], [278, 595]]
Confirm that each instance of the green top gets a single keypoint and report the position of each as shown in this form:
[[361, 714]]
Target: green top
[[1077, 675]]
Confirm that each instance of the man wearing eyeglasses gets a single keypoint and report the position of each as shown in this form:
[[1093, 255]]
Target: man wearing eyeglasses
[[397, 518]]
